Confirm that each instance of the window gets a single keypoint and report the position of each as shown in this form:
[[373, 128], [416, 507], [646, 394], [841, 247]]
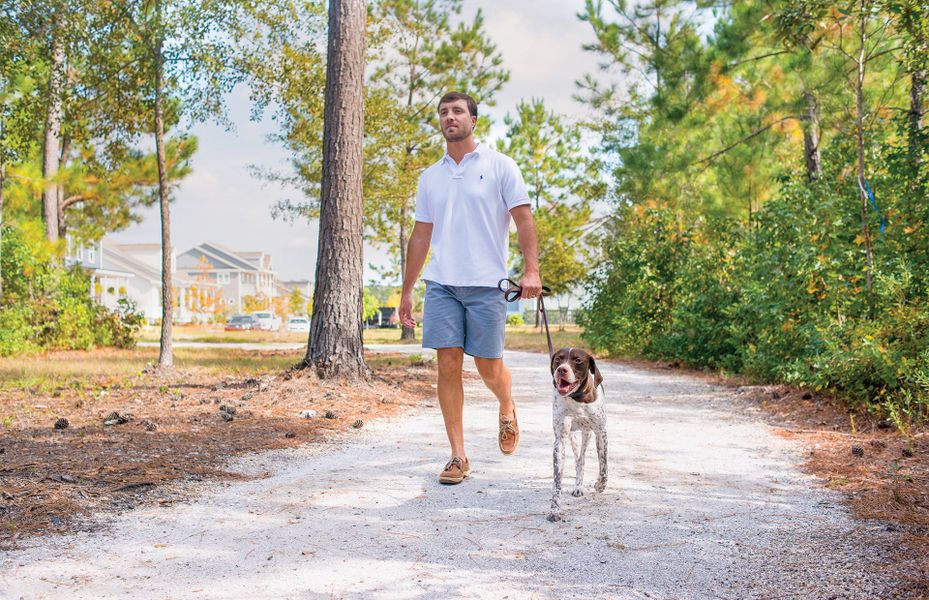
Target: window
[[222, 277], [91, 255]]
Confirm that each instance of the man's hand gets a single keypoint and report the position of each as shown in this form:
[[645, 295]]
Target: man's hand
[[406, 310], [532, 286]]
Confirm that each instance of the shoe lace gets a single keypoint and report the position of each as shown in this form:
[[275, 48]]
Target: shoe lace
[[507, 428], [455, 461]]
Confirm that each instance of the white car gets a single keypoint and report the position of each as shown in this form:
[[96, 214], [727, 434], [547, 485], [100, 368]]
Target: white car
[[267, 320], [298, 324]]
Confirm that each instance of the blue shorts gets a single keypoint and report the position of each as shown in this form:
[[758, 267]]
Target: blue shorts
[[469, 317]]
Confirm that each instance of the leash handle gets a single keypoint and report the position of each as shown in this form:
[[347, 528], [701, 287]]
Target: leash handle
[[513, 291]]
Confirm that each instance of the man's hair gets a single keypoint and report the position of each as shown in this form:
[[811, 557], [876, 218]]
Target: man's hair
[[452, 96]]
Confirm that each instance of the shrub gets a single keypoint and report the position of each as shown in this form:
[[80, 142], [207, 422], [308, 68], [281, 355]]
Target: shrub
[[515, 319], [46, 306]]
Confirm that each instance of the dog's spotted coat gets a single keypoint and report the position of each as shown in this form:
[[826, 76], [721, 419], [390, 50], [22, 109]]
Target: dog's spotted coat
[[577, 411]]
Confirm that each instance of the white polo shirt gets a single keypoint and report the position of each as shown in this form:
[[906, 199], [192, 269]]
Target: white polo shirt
[[469, 207]]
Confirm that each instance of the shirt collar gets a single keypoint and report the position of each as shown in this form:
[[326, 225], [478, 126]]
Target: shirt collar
[[480, 149]]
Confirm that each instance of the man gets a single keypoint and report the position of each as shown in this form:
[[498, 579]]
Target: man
[[463, 207]]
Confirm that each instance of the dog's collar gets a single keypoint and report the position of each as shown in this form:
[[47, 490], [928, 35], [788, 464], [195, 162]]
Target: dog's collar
[[580, 393]]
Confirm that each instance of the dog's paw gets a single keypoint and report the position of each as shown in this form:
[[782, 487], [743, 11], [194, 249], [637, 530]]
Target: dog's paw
[[555, 517], [600, 485], [577, 492]]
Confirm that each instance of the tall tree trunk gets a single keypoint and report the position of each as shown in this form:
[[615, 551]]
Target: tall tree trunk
[[335, 346], [859, 123], [406, 333], [166, 353], [2, 185], [814, 167], [51, 147], [917, 113], [62, 162]]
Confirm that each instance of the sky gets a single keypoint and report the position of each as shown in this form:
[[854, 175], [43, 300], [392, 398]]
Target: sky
[[221, 201]]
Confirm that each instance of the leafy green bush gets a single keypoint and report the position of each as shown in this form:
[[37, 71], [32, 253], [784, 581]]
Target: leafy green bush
[[46, 306], [515, 319], [785, 300]]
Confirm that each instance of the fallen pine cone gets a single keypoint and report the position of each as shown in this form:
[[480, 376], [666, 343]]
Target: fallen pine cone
[[358, 424], [62, 423], [858, 451]]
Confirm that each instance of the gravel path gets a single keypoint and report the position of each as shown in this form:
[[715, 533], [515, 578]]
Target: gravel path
[[703, 502]]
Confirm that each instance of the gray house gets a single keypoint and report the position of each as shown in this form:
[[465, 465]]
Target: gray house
[[238, 274]]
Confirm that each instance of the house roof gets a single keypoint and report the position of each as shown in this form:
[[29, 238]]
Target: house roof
[[115, 259], [222, 255], [138, 246]]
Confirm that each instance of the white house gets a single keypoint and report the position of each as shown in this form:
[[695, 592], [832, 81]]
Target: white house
[[134, 271]]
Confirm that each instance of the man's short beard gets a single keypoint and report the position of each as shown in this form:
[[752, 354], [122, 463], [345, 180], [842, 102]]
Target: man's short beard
[[457, 137]]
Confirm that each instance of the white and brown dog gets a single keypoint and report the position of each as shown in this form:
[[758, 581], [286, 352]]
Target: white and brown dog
[[577, 411]]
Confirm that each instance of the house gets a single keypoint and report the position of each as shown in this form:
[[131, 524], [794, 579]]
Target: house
[[386, 316], [238, 274], [133, 271]]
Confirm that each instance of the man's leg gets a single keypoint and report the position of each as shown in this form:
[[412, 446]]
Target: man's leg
[[451, 396], [497, 379]]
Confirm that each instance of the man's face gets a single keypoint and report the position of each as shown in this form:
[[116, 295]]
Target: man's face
[[456, 121]]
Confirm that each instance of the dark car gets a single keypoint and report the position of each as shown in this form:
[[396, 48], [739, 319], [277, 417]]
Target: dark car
[[242, 323]]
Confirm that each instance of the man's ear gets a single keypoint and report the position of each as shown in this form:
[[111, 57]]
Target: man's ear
[[593, 370]]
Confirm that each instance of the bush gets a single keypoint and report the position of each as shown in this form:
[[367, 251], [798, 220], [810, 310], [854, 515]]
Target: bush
[[515, 319], [784, 300], [46, 306]]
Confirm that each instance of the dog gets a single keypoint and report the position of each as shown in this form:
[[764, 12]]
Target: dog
[[577, 407]]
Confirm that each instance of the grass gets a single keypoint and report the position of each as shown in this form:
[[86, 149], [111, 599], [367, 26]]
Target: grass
[[215, 334], [527, 337], [77, 369], [518, 337]]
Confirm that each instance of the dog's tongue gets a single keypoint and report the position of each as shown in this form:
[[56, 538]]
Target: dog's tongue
[[564, 385]]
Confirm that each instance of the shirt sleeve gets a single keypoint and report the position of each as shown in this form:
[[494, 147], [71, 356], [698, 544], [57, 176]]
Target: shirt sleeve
[[423, 207], [512, 187]]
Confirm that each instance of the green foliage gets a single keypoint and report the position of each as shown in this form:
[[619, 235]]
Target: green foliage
[[515, 319], [369, 304], [45, 306], [726, 249]]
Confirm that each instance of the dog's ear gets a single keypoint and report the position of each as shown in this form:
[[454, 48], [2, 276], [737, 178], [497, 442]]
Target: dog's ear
[[551, 363], [593, 370]]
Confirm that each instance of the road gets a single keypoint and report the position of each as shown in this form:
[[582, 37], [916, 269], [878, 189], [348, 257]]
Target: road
[[703, 501]]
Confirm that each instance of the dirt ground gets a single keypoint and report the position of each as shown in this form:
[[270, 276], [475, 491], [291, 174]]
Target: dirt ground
[[126, 440], [883, 473]]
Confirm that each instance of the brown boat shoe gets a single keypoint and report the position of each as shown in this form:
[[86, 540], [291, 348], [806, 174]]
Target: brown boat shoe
[[508, 436], [455, 471]]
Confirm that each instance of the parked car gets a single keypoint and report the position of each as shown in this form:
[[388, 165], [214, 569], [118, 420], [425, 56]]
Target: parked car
[[267, 320], [298, 324], [242, 323]]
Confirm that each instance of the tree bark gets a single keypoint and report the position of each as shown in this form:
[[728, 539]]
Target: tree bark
[[51, 151], [62, 162], [2, 184], [166, 352], [814, 167], [335, 346], [917, 115], [859, 123]]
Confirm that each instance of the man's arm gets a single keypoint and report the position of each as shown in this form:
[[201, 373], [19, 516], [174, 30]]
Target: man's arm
[[529, 244], [416, 250]]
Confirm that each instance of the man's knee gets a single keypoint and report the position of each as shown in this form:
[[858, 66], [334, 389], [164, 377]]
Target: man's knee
[[449, 361], [491, 370]]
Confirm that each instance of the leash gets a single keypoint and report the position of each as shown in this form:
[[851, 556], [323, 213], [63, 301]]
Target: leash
[[512, 292]]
